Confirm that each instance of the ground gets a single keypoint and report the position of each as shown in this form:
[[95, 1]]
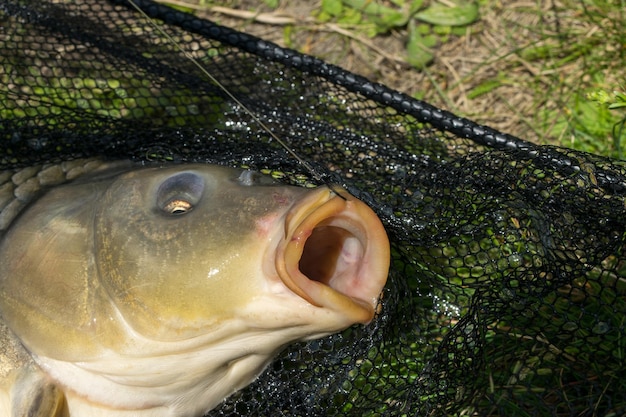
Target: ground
[[524, 67]]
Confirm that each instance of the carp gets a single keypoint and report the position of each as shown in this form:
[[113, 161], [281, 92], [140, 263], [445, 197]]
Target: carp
[[160, 290]]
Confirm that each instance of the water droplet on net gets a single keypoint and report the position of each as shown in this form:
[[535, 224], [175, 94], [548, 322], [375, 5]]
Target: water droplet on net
[[600, 327]]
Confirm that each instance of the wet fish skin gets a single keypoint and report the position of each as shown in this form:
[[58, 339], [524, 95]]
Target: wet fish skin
[[166, 289]]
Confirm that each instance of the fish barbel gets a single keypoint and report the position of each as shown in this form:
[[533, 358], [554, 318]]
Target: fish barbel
[[159, 291]]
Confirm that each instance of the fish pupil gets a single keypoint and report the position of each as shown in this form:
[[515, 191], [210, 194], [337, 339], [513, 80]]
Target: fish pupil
[[178, 207]]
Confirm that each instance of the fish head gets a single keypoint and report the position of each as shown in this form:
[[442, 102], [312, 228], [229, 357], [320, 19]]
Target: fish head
[[182, 252], [145, 275]]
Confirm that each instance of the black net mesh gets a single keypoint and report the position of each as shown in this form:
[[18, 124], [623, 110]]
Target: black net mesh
[[507, 294]]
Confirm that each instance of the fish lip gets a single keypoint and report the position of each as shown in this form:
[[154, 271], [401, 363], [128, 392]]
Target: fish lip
[[335, 254]]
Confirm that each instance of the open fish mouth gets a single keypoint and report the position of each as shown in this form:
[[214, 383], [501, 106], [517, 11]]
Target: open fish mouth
[[335, 253]]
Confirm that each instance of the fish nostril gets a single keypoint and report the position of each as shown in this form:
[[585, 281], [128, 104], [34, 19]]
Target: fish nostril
[[330, 255], [248, 178]]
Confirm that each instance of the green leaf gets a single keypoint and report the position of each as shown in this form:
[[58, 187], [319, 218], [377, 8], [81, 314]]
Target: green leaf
[[484, 88], [390, 21], [620, 100], [332, 7], [385, 17], [440, 14], [179, 7], [370, 7], [418, 53], [415, 6], [617, 105], [350, 17]]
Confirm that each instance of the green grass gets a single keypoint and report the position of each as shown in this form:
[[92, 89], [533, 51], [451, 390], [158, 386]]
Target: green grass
[[583, 59]]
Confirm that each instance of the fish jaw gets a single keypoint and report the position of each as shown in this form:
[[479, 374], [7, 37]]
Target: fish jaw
[[334, 254], [186, 383]]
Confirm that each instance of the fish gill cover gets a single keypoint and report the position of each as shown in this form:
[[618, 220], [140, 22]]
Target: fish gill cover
[[507, 294]]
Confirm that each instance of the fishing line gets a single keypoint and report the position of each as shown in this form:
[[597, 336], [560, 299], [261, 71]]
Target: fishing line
[[256, 118]]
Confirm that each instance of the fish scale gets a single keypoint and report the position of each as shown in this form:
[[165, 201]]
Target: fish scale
[[20, 186]]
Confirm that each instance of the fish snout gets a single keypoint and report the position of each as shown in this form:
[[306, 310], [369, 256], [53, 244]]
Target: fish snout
[[335, 253]]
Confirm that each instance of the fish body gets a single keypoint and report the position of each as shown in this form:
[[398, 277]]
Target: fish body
[[159, 291]]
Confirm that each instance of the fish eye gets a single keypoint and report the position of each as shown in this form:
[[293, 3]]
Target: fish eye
[[177, 207], [180, 193]]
